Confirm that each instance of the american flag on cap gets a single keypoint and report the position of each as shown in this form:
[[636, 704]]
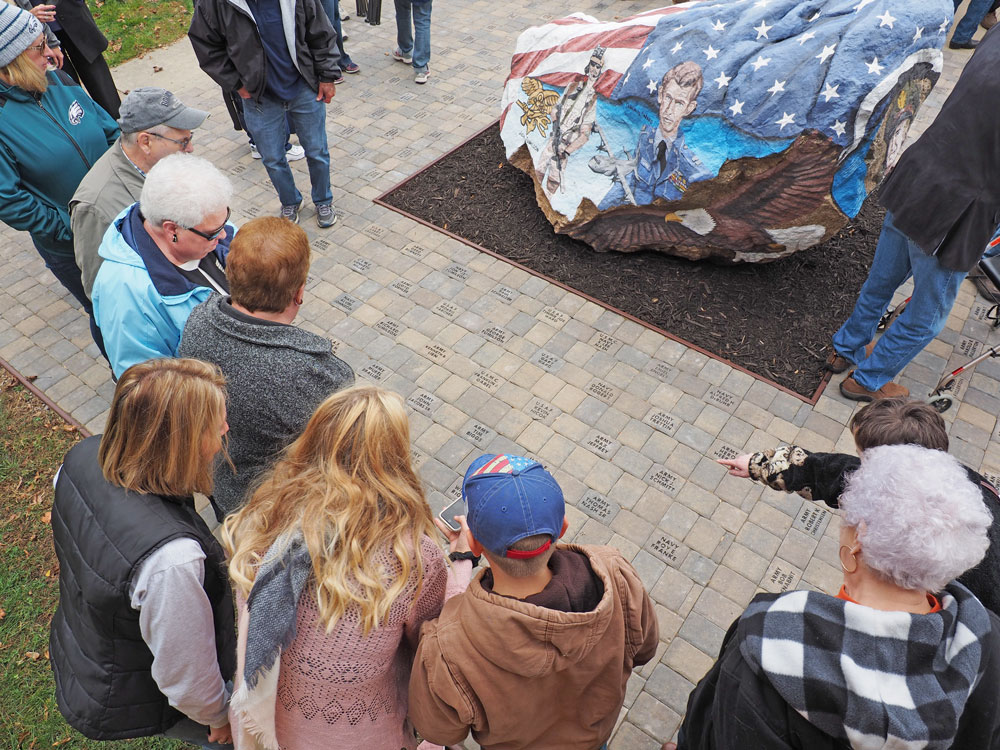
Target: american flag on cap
[[504, 464]]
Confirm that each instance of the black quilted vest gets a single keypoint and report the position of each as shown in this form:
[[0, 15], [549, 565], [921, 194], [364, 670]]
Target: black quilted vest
[[102, 534]]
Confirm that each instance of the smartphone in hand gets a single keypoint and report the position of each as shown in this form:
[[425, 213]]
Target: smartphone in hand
[[447, 515]]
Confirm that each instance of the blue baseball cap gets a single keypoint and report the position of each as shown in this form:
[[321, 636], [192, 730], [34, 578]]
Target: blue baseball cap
[[510, 498]]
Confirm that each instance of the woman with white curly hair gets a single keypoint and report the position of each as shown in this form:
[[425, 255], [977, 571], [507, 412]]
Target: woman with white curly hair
[[902, 657], [163, 256]]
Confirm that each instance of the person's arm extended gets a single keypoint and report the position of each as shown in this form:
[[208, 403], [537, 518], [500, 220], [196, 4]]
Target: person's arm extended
[[176, 622], [789, 468]]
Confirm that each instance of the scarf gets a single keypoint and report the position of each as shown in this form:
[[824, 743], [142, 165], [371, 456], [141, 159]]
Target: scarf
[[267, 625], [874, 679]]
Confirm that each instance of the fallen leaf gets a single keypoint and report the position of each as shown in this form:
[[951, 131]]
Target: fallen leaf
[[47, 517], [33, 655], [31, 378], [3, 613]]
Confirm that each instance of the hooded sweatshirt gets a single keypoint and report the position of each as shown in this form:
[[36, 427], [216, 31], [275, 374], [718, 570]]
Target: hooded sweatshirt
[[521, 675], [809, 671]]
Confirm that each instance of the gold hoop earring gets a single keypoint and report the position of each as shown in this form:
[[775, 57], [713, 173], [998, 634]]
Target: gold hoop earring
[[840, 554]]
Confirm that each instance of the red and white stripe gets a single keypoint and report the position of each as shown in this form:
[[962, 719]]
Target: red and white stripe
[[499, 465], [558, 52]]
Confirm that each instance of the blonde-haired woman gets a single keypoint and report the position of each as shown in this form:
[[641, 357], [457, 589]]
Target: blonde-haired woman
[[51, 133], [335, 559], [143, 640]]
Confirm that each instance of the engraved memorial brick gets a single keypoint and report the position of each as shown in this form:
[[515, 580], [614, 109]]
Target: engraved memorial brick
[[436, 352], [667, 549], [348, 131], [780, 577], [968, 347], [361, 265], [553, 316], [604, 446], [423, 402], [604, 343], [346, 302], [389, 327], [548, 362], [598, 507], [663, 480], [478, 433], [454, 492], [540, 410], [812, 519], [414, 251], [446, 309], [503, 293], [601, 390], [496, 334], [375, 231], [375, 372], [402, 287], [486, 380], [457, 271], [417, 458], [660, 420], [721, 450], [723, 399], [659, 370]]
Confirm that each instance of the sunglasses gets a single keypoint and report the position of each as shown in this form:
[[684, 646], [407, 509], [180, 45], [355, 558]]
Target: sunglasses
[[215, 233], [183, 142]]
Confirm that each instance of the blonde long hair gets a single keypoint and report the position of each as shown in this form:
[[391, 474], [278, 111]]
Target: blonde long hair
[[23, 73], [349, 484]]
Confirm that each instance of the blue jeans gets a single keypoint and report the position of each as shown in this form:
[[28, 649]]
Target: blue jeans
[[332, 8], [897, 258], [266, 120], [970, 21], [194, 734], [65, 269], [414, 38]]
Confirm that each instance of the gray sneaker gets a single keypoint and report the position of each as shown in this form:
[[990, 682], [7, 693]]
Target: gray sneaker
[[421, 77], [325, 216], [291, 213]]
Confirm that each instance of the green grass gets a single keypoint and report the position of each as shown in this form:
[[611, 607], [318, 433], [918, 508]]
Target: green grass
[[134, 27], [32, 443]]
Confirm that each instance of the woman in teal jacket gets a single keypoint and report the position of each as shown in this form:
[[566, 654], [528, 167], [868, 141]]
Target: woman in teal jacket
[[51, 132]]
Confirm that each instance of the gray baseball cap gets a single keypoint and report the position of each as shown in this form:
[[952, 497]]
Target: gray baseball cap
[[147, 106]]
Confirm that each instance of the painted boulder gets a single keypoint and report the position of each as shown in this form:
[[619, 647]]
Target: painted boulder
[[736, 131]]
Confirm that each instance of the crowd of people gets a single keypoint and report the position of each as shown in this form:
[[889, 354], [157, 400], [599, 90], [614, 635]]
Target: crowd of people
[[337, 611]]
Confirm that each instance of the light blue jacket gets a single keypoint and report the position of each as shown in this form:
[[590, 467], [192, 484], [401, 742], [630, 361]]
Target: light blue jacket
[[140, 301]]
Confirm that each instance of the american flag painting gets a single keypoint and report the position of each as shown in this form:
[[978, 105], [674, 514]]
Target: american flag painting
[[641, 111]]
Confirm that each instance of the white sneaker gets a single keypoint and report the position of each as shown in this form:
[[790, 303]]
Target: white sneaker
[[295, 153], [397, 55], [254, 152], [421, 77]]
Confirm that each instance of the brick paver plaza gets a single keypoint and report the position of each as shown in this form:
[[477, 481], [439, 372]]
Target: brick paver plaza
[[491, 358]]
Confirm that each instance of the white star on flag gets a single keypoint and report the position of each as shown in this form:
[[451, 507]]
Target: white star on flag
[[838, 128], [723, 80], [762, 29], [806, 37], [886, 19], [920, 32], [786, 119], [737, 107], [827, 51], [676, 48], [650, 61], [651, 86], [760, 62], [874, 67], [778, 86], [830, 92], [711, 53], [944, 25], [719, 25]]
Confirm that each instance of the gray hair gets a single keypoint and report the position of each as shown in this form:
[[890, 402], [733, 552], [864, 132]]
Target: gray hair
[[184, 189], [130, 139], [920, 520]]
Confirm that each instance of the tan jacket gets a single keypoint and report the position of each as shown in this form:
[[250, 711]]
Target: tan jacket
[[522, 676], [111, 184]]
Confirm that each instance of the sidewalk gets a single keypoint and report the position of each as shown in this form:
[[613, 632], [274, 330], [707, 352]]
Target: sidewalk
[[629, 422]]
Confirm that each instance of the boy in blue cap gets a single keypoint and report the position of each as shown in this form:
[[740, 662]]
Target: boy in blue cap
[[537, 651]]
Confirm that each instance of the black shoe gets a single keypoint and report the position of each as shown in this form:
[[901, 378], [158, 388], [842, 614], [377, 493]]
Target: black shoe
[[971, 44], [983, 285]]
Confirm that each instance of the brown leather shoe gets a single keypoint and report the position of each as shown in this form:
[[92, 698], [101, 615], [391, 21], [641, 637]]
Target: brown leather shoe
[[853, 390], [989, 20], [837, 363]]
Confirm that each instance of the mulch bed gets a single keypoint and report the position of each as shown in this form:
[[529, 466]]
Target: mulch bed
[[775, 319]]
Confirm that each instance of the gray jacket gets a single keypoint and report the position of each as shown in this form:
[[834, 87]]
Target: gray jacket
[[228, 46], [111, 184], [276, 376]]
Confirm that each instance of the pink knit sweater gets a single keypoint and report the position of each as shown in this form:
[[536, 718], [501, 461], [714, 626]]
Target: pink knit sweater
[[345, 690]]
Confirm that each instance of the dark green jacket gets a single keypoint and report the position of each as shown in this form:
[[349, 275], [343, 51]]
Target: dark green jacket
[[47, 145]]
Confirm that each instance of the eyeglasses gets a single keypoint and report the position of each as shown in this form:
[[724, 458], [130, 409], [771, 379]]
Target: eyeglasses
[[40, 47], [212, 235], [183, 142]]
